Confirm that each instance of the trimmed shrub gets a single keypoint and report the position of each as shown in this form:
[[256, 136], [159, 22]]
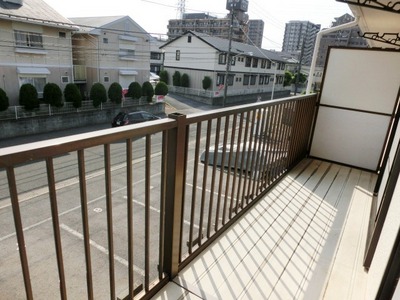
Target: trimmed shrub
[[161, 88], [115, 92], [164, 76], [176, 78], [206, 82], [98, 94], [148, 91], [4, 103], [134, 90], [28, 96], [185, 80], [72, 94], [52, 95]]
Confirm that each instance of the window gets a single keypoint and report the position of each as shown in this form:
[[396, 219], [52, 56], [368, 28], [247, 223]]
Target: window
[[230, 79], [64, 79], [248, 62], [155, 55], [189, 38], [246, 79], [220, 79], [253, 79], [263, 63], [127, 53], [261, 81], [28, 39], [37, 81], [255, 63], [178, 55], [269, 64], [105, 40], [62, 35], [222, 59], [106, 79]]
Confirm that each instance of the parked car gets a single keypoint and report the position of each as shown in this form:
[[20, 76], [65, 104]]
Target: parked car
[[124, 118], [246, 158]]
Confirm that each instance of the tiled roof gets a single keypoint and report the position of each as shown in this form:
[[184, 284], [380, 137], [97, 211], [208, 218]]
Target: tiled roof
[[236, 47], [34, 11]]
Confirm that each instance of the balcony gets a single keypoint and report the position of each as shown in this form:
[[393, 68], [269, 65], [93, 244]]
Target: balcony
[[306, 206]]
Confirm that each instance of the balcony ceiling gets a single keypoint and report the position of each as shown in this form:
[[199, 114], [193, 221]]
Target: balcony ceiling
[[374, 20]]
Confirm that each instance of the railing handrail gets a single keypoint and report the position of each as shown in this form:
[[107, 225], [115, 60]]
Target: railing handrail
[[277, 133]]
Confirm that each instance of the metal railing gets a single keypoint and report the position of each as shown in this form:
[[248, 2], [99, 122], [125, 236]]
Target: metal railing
[[119, 212]]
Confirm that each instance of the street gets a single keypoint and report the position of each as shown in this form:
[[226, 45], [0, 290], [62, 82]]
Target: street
[[38, 230]]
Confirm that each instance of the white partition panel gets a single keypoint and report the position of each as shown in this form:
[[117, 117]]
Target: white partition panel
[[359, 93]]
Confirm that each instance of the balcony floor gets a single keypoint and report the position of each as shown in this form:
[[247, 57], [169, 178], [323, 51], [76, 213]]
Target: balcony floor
[[304, 240]]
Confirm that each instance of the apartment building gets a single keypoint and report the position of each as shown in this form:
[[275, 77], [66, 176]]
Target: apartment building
[[110, 49], [36, 47], [299, 40], [348, 37]]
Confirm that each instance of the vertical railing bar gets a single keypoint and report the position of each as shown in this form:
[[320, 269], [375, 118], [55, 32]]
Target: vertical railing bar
[[12, 185], [221, 177], [185, 165], [253, 131], [289, 131], [162, 203], [270, 144], [261, 142], [194, 188], [147, 213], [85, 222], [56, 226], [281, 109], [129, 195], [232, 142], [214, 170], [237, 150], [295, 142], [107, 167], [265, 152], [281, 135], [242, 170], [204, 186]]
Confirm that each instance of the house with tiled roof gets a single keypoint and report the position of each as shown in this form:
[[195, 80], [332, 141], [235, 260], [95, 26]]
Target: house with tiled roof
[[36, 48], [110, 49], [253, 73]]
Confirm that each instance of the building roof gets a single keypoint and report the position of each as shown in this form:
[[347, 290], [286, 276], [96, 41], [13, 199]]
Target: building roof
[[92, 24], [34, 11], [222, 45]]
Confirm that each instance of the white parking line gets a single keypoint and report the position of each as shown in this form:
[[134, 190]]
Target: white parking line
[[117, 258]]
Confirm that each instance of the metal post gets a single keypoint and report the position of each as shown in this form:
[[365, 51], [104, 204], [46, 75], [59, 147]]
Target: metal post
[[273, 84], [228, 60], [176, 147]]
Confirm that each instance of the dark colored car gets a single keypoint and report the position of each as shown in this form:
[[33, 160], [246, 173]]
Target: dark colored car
[[124, 118]]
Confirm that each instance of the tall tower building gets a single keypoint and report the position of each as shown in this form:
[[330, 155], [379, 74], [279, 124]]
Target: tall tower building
[[299, 40], [256, 32]]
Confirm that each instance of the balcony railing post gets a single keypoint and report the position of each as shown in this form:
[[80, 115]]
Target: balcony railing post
[[175, 168]]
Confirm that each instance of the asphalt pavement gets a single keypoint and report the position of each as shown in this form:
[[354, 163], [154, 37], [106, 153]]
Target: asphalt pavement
[[174, 103]]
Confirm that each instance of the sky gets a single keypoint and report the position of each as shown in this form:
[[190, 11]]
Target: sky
[[153, 15]]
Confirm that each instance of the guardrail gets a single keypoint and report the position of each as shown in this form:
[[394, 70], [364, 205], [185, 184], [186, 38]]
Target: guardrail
[[128, 207], [19, 112]]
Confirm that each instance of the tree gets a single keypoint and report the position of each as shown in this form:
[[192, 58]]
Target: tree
[[134, 90], [185, 80], [115, 92], [148, 91], [164, 76], [98, 94], [28, 96], [4, 103], [72, 94], [176, 79], [206, 82], [161, 88], [288, 78], [52, 95]]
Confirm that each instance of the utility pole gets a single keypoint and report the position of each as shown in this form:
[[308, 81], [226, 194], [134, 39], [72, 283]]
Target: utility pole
[[228, 61]]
